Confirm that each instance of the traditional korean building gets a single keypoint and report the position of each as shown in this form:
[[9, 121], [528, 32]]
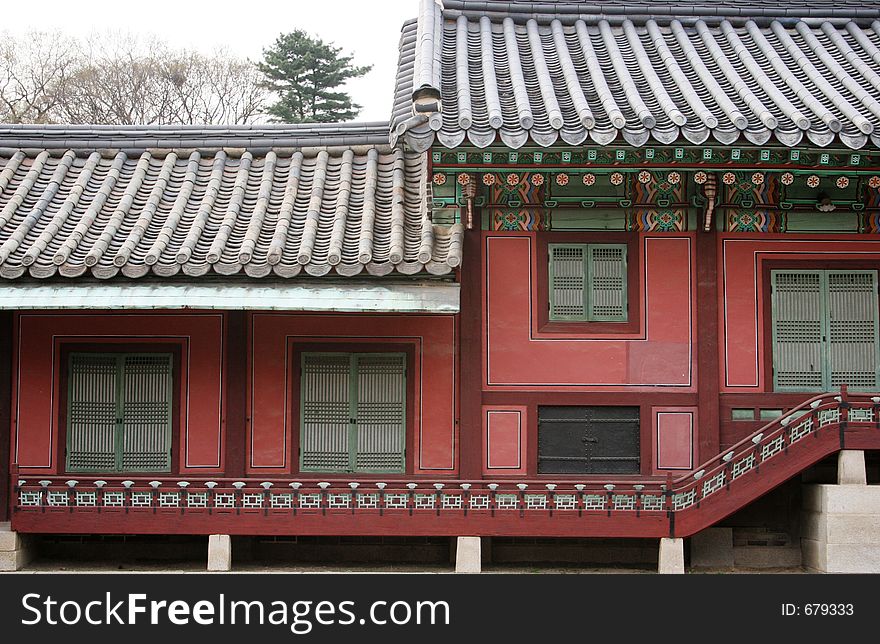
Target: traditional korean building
[[610, 272]]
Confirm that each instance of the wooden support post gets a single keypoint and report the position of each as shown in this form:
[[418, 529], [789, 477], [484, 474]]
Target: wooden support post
[[236, 393], [708, 376], [470, 424], [6, 359]]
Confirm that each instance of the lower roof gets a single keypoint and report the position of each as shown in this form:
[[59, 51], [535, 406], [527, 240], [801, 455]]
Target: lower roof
[[283, 200]]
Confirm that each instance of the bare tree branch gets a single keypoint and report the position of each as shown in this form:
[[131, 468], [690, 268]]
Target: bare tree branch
[[118, 79]]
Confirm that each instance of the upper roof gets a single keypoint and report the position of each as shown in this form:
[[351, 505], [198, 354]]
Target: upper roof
[[257, 200], [639, 71], [658, 9]]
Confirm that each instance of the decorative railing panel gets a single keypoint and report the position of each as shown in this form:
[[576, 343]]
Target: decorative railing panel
[[740, 470]]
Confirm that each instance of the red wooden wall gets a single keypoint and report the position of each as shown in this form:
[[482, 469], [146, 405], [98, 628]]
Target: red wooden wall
[[650, 363], [744, 357], [742, 292], [275, 337], [517, 354], [235, 415], [37, 417]]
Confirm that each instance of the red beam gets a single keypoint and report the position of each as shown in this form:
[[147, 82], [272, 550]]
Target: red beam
[[343, 522]]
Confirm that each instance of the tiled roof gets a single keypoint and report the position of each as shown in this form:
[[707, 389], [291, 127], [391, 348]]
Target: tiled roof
[[195, 200], [639, 72]]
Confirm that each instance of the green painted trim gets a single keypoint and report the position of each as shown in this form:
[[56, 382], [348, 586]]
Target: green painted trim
[[825, 324], [352, 433], [823, 318], [119, 431], [874, 309], [587, 265], [552, 248], [594, 317]]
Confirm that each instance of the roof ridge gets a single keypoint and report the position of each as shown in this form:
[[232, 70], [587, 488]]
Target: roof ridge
[[640, 11], [193, 136]]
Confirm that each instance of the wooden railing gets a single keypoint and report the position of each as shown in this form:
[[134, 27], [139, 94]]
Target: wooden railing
[[651, 507]]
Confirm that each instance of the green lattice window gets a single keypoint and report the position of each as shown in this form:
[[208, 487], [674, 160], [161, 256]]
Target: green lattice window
[[353, 412], [119, 408], [588, 282], [825, 330]]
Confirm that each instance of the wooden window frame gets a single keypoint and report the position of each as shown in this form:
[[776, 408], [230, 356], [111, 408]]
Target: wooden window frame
[[767, 269], [175, 349], [633, 292], [587, 290], [409, 349], [352, 405]]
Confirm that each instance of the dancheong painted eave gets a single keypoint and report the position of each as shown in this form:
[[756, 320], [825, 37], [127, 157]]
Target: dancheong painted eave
[[256, 200], [639, 72]]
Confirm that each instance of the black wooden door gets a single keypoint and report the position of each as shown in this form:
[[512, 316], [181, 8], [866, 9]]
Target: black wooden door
[[588, 440]]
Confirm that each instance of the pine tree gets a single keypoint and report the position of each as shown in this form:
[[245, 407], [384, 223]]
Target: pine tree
[[305, 72]]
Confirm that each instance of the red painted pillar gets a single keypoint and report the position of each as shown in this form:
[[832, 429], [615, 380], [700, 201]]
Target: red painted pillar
[[5, 410], [708, 376], [236, 392], [470, 443]]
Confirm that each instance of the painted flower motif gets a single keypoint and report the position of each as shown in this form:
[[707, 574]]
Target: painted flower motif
[[488, 179], [874, 181], [561, 179], [758, 178], [439, 178], [813, 181], [616, 178], [589, 179], [464, 179], [674, 178], [645, 176], [729, 178], [842, 182], [512, 179], [537, 179], [787, 178], [701, 178]]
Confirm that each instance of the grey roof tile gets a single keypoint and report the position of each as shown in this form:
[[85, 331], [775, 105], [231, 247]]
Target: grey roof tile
[[166, 201], [639, 72]]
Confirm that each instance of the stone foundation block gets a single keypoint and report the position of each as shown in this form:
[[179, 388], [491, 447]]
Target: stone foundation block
[[671, 556], [468, 555], [219, 553]]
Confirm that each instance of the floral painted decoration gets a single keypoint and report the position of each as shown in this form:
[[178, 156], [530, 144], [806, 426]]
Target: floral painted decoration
[[512, 179], [589, 179], [842, 182], [758, 178], [673, 178], [701, 177], [616, 178], [488, 179], [537, 179], [874, 182], [813, 181], [464, 179], [645, 176], [729, 178], [562, 179], [787, 178], [439, 178]]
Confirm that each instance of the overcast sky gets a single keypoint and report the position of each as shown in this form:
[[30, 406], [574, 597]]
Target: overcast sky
[[370, 29]]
